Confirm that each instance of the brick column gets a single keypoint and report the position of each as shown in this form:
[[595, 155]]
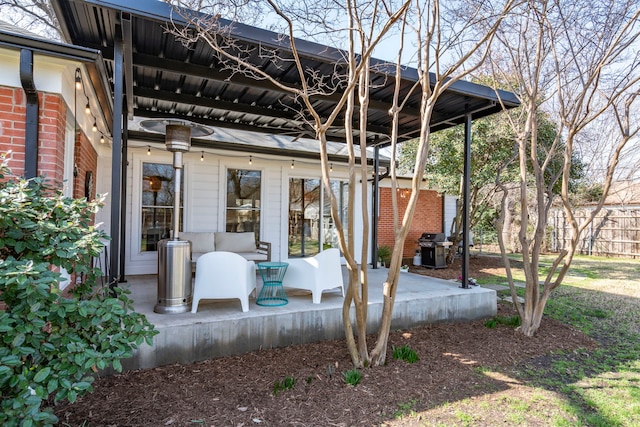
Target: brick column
[[427, 218]]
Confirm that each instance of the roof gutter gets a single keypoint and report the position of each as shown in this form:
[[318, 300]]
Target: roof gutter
[[92, 59], [31, 115], [45, 47]]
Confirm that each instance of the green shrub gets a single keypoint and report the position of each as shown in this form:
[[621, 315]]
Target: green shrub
[[384, 254], [405, 353], [286, 384], [51, 344], [352, 377]]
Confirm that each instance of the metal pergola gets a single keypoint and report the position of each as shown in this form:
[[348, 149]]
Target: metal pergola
[[154, 75]]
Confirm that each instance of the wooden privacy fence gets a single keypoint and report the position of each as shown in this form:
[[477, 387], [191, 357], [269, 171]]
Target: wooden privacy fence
[[614, 232]]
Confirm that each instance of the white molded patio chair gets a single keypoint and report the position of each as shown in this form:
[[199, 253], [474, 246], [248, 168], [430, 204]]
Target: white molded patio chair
[[224, 275], [316, 274]]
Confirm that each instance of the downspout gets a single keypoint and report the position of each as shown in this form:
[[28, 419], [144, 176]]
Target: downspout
[[31, 116], [443, 212]]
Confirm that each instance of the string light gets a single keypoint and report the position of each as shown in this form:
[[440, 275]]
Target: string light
[[87, 109], [202, 157], [78, 79], [148, 150], [250, 160], [292, 164]]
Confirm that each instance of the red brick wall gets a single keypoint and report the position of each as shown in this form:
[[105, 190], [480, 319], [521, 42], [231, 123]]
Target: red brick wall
[[12, 126], [51, 129], [427, 218], [86, 159]]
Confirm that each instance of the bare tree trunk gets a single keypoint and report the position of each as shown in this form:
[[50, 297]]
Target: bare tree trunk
[[431, 90], [357, 285], [432, 50], [570, 58]]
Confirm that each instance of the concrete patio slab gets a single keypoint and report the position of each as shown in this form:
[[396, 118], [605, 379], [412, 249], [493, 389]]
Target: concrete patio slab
[[220, 328]]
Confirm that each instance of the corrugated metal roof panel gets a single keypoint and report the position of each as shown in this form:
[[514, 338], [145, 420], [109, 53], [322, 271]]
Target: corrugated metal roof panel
[[186, 80]]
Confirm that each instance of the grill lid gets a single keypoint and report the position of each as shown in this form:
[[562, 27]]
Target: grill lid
[[431, 237]]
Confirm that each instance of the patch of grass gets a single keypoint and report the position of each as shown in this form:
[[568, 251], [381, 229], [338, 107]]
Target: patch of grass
[[352, 377], [286, 384], [605, 305], [598, 313], [405, 353], [596, 387], [464, 418], [572, 308], [405, 409], [512, 321]]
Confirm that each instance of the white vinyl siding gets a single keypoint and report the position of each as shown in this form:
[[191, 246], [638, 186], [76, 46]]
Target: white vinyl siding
[[204, 198]]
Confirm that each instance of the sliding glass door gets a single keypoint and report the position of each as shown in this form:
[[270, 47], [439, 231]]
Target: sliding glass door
[[304, 217], [329, 232], [310, 222]]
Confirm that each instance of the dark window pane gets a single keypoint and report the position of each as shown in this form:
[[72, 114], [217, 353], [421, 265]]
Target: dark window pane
[[243, 201], [329, 233], [157, 204], [304, 217]]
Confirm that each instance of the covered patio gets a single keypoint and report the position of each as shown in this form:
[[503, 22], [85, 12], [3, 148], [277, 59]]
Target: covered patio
[[154, 76], [257, 128], [220, 328]]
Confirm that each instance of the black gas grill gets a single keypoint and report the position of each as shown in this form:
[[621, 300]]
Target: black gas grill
[[433, 246]]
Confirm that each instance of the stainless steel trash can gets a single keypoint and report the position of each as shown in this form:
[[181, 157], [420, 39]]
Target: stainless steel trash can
[[174, 277]]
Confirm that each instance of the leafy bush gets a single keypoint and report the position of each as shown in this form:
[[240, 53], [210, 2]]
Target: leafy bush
[[405, 353], [384, 254], [51, 343]]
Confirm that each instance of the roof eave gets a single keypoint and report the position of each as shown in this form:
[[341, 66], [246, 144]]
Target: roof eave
[[163, 12], [92, 59]]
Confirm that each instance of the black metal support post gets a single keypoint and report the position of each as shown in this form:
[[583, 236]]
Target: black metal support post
[[303, 232], [116, 162], [127, 112], [374, 208], [466, 183], [31, 119], [123, 212]]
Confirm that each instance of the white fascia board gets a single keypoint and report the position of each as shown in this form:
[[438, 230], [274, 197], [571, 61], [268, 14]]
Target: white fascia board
[[10, 68]]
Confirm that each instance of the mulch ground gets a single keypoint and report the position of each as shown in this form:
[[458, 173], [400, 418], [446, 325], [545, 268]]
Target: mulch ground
[[239, 390]]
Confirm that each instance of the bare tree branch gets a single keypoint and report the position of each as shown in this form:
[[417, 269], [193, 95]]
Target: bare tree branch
[[33, 15]]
